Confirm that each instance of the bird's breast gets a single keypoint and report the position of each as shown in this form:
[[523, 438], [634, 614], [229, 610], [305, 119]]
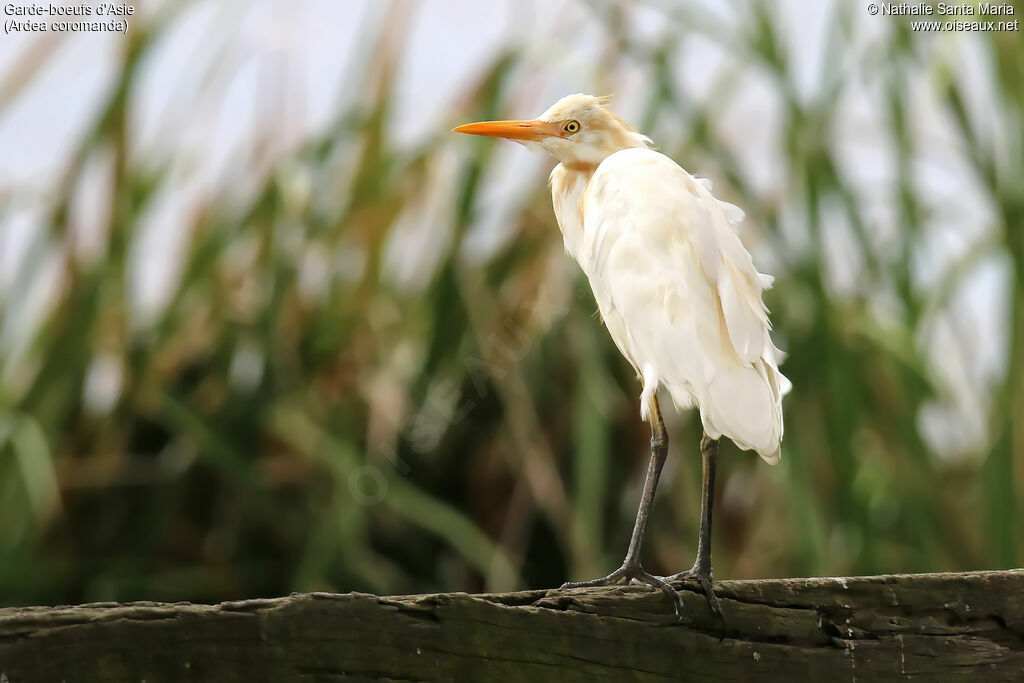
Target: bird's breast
[[567, 188]]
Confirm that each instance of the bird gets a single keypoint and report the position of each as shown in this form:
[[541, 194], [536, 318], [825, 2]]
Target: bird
[[677, 291]]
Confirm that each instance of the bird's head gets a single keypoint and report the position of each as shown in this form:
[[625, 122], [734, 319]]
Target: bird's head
[[578, 130]]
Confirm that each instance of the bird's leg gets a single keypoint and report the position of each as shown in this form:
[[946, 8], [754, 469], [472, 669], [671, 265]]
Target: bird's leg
[[701, 570], [631, 569]]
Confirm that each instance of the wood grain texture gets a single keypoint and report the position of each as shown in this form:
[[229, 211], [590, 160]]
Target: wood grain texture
[[927, 627]]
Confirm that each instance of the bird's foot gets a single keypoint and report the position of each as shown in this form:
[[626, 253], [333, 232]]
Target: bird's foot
[[634, 573], [702, 575]]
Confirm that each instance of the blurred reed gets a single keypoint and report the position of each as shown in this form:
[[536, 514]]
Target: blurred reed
[[294, 419]]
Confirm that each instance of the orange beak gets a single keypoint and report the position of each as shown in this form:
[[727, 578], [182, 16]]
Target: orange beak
[[512, 130]]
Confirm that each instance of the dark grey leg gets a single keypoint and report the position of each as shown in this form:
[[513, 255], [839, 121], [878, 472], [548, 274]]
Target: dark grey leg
[[631, 569], [701, 570]]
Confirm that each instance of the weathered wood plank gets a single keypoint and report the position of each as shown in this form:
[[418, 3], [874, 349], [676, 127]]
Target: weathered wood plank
[[927, 627]]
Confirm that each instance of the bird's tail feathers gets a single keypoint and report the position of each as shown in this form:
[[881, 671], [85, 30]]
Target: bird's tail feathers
[[744, 403]]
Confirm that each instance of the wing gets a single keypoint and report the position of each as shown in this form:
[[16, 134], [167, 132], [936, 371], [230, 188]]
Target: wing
[[681, 296]]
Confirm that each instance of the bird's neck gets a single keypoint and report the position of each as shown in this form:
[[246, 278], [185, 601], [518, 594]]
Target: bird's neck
[[568, 183], [584, 167]]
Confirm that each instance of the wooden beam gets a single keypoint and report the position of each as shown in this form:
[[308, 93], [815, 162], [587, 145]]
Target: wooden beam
[[928, 627]]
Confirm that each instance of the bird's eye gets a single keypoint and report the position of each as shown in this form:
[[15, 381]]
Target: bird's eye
[[571, 127]]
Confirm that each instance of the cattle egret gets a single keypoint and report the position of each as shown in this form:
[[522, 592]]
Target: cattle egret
[[676, 289]]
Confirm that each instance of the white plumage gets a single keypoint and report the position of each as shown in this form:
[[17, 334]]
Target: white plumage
[[675, 286], [677, 291]]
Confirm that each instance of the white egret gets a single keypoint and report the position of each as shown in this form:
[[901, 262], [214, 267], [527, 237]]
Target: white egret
[[676, 289]]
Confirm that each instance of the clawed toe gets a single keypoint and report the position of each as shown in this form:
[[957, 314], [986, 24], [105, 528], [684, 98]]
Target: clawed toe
[[703, 578], [628, 574], [619, 576]]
